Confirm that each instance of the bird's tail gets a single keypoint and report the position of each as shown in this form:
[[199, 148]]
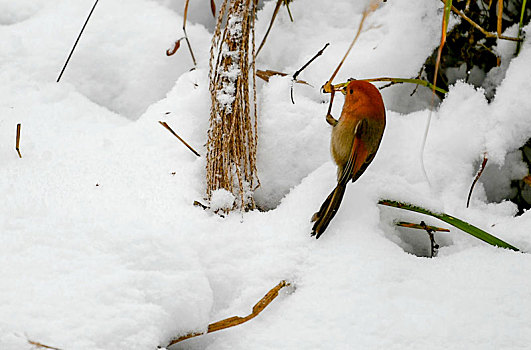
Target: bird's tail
[[328, 210]]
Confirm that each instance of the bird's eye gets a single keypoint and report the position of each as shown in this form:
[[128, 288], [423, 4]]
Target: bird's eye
[[351, 91]]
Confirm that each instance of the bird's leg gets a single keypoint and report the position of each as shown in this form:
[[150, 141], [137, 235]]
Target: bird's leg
[[329, 118]]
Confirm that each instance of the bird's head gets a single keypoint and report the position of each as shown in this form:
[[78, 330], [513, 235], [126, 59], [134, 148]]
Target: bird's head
[[361, 95]]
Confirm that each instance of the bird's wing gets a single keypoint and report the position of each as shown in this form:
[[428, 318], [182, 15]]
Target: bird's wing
[[359, 155]]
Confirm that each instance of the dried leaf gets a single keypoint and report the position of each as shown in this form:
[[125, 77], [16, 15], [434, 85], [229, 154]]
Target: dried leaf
[[185, 13], [213, 8], [174, 49], [266, 74]]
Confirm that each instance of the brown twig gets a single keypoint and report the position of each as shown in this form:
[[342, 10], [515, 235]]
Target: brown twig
[[310, 61], [236, 320], [500, 15], [296, 74], [286, 2], [77, 40], [17, 142], [201, 205], [186, 35], [275, 12], [41, 346], [421, 226], [418, 77], [480, 171], [164, 124], [434, 246]]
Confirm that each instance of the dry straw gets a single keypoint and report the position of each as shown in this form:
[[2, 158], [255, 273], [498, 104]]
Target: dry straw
[[232, 138]]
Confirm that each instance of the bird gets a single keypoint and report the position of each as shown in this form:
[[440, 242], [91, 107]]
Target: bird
[[355, 139]]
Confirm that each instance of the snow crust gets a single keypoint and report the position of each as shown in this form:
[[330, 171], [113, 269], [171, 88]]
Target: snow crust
[[103, 249]]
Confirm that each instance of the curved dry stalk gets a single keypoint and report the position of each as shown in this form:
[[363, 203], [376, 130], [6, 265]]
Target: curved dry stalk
[[237, 320], [186, 35], [273, 17], [374, 4], [480, 171]]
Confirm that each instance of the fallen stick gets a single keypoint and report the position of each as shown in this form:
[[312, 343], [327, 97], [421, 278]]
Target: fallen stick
[[236, 320], [41, 346], [17, 142], [164, 124]]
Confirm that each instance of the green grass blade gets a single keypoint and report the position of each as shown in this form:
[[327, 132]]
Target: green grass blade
[[460, 224], [520, 25], [410, 81]]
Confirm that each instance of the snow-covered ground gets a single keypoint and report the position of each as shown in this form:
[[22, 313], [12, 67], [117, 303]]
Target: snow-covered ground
[[101, 247]]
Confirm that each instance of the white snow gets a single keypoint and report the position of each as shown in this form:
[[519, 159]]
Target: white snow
[[102, 248]]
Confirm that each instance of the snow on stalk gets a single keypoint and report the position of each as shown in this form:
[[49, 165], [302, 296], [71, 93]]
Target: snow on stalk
[[232, 137]]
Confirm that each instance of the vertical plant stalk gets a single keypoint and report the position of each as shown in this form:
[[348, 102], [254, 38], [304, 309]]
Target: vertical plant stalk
[[275, 12], [232, 136], [520, 25], [17, 141], [500, 17], [446, 18], [185, 34], [478, 175], [286, 2]]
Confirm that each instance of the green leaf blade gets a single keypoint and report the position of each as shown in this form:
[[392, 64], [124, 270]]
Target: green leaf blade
[[458, 223]]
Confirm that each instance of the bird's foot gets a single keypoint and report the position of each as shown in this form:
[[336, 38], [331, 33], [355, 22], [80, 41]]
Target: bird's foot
[[331, 120]]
